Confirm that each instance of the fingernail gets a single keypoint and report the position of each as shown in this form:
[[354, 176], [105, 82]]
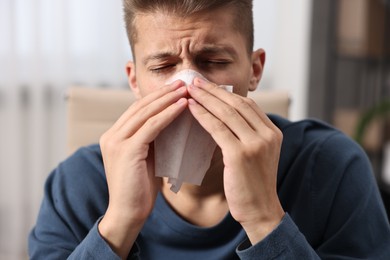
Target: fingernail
[[191, 102], [178, 83], [181, 89], [181, 101], [200, 81], [192, 86]]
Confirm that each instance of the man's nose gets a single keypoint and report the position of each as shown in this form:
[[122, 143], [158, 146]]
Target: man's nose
[[189, 64]]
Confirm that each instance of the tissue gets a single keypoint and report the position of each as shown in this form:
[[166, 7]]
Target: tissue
[[183, 150]]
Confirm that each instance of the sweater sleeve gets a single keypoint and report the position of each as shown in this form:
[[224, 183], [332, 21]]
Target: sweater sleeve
[[95, 247], [75, 199], [285, 242], [346, 210]]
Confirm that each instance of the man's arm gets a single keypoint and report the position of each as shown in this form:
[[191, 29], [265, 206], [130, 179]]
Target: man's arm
[[75, 197], [350, 218], [132, 186], [129, 164], [250, 185]]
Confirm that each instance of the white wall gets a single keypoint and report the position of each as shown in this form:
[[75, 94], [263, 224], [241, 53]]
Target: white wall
[[282, 28]]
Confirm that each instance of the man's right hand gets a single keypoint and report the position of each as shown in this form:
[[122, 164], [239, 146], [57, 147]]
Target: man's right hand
[[127, 152]]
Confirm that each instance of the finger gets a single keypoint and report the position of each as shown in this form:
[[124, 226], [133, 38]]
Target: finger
[[155, 124], [221, 134], [247, 108], [139, 117], [222, 111], [264, 117], [137, 105]]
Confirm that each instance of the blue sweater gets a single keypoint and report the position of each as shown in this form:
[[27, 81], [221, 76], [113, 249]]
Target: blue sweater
[[325, 184]]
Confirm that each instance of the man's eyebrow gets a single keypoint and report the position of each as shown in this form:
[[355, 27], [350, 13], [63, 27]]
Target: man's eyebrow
[[157, 56], [215, 50], [205, 50]]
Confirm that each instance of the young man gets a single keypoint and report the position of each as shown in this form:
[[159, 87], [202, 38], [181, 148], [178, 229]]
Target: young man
[[275, 189]]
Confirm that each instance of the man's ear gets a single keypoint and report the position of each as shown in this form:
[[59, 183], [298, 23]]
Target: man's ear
[[132, 79], [258, 61]]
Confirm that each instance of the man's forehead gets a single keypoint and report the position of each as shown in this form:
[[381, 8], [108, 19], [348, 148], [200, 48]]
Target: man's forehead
[[162, 35]]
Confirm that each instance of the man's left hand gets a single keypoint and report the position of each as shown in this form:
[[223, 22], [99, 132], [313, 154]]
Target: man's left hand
[[250, 145]]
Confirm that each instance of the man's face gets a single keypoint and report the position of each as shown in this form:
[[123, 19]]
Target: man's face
[[207, 43]]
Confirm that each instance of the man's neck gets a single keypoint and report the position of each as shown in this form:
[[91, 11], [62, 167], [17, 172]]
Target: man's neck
[[203, 205]]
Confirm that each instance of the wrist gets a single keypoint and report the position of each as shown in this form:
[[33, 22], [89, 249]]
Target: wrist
[[119, 233], [259, 228]]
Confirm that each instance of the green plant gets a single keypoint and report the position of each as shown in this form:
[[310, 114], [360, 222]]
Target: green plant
[[379, 110]]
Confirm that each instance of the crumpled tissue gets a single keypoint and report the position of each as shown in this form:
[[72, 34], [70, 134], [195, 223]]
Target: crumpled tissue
[[183, 150]]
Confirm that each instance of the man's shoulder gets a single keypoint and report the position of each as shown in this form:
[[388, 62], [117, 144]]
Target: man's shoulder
[[311, 132], [76, 192], [83, 167], [86, 155], [316, 141], [310, 125]]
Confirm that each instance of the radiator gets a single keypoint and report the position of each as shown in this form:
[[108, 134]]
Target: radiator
[[32, 138]]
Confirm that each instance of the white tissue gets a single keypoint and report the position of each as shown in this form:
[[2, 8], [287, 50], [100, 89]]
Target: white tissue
[[183, 150]]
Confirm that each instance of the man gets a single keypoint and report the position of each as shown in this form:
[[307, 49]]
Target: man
[[275, 189]]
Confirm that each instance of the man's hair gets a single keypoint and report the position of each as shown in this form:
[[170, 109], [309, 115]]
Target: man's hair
[[242, 11]]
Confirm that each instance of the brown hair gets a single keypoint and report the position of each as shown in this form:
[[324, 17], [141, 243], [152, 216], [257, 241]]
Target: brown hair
[[242, 10]]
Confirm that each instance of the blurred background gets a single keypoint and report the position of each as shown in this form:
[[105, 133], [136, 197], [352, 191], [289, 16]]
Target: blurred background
[[331, 55]]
